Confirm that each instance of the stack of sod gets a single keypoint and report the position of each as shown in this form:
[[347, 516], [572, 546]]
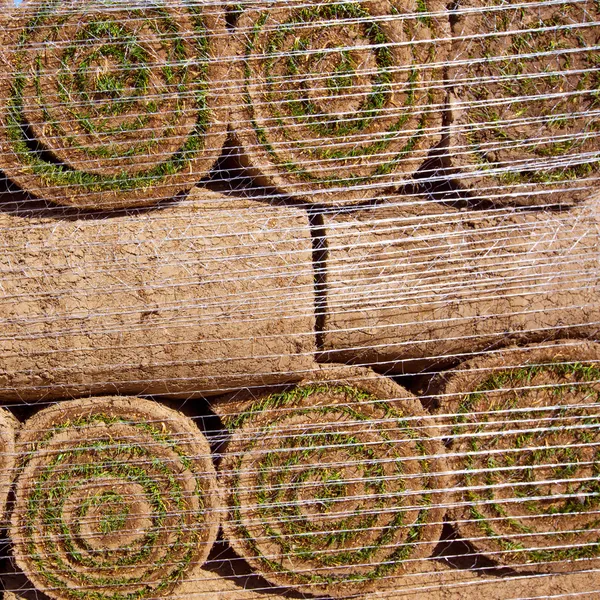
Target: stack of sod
[[333, 486], [339, 100], [419, 286], [115, 498], [170, 301], [525, 426], [109, 104], [526, 101]]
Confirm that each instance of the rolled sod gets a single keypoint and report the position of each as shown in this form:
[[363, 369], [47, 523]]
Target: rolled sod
[[106, 105], [339, 101], [8, 428], [413, 288], [116, 497], [525, 435], [199, 298], [333, 486], [526, 101]]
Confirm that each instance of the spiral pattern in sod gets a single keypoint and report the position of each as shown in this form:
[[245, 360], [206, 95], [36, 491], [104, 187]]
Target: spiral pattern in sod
[[116, 498], [527, 119], [331, 490], [340, 100], [526, 441], [106, 105]]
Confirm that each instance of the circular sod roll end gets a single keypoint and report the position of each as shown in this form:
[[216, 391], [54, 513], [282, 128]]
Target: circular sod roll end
[[339, 102], [333, 486], [105, 105], [116, 497], [524, 431], [524, 127]]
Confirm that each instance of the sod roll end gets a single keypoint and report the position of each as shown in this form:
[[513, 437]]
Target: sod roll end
[[116, 497], [333, 486], [104, 105]]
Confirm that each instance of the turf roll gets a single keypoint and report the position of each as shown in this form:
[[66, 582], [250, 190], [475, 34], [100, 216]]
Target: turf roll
[[412, 284], [524, 426], [339, 100], [333, 486], [8, 428], [161, 302], [106, 104], [116, 497], [526, 99]]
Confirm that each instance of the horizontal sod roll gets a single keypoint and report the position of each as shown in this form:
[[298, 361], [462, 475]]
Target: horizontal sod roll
[[408, 290], [116, 498], [110, 104], [339, 100], [526, 104], [333, 486], [198, 298], [524, 429]]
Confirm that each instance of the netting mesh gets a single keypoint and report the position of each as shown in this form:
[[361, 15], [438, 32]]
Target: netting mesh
[[299, 299]]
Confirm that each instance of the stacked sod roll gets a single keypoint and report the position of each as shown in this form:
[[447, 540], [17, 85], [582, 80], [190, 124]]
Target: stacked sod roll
[[339, 102], [411, 284], [333, 486], [525, 95], [165, 302], [106, 105], [116, 498], [8, 428], [525, 433]]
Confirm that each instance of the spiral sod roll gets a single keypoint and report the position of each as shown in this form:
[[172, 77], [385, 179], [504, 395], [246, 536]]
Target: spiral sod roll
[[116, 497], [525, 448], [110, 104], [415, 284], [333, 486], [526, 101], [169, 301], [339, 100]]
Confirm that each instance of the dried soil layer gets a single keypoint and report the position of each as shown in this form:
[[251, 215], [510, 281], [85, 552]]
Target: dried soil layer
[[115, 497], [104, 105], [332, 486], [525, 432], [406, 291], [339, 102], [202, 297], [526, 126]]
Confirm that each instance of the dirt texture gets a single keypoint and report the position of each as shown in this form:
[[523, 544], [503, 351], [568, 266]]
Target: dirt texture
[[406, 292], [334, 486], [194, 299], [331, 109], [524, 430], [115, 495], [104, 105], [525, 100]]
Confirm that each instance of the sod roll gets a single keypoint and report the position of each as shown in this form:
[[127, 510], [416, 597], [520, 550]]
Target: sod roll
[[525, 435], [525, 94], [106, 104], [332, 486], [339, 101], [8, 428], [407, 290], [116, 497], [206, 296]]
